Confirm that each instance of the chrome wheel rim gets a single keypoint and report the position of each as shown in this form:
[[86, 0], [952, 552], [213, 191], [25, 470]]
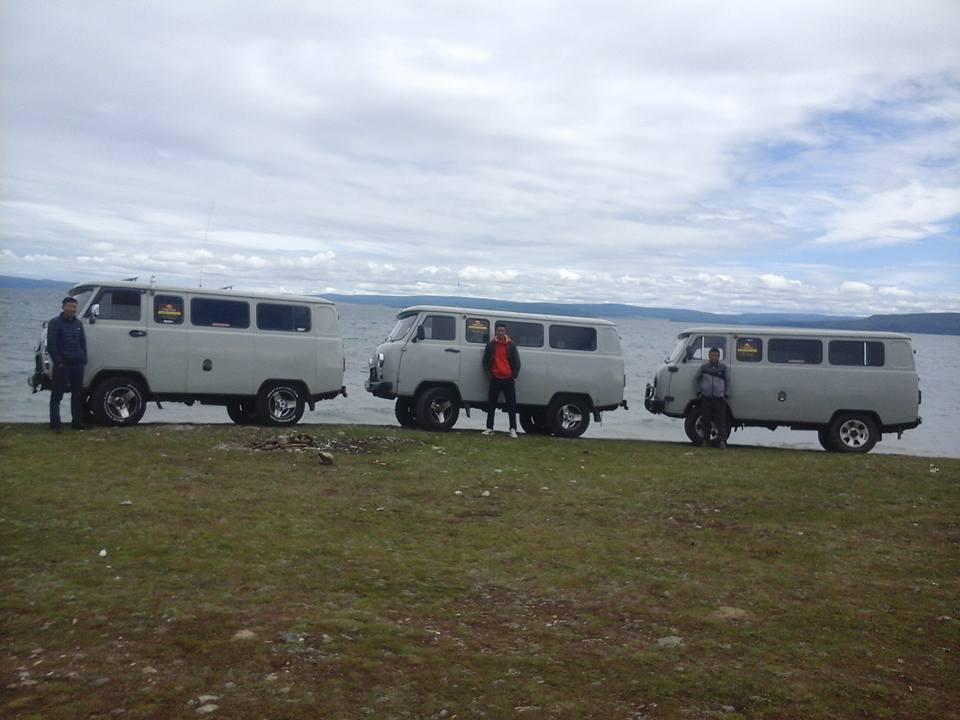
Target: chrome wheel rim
[[714, 434], [441, 410], [282, 405], [122, 403], [570, 417], [854, 433]]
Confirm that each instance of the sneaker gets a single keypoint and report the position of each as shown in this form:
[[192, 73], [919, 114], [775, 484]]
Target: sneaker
[[488, 431], [513, 433]]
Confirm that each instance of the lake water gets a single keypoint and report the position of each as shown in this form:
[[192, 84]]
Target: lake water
[[645, 343]]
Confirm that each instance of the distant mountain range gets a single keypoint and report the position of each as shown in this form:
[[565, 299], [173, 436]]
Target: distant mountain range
[[922, 323]]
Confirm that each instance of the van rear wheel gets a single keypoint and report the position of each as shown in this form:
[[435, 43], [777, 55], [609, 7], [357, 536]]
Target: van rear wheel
[[568, 417], [404, 412], [853, 433], [281, 403], [437, 409], [119, 401]]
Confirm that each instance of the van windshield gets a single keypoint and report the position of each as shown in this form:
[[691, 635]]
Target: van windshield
[[675, 353], [82, 295], [401, 328]]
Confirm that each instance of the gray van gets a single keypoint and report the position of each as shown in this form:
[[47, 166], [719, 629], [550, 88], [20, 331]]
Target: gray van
[[263, 356], [430, 365], [851, 387]]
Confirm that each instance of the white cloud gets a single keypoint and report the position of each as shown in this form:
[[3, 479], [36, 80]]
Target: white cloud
[[778, 282], [895, 292], [855, 288]]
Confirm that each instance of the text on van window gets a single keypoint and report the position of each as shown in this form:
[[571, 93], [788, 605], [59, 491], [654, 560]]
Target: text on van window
[[168, 310], [285, 318], [855, 352], [749, 349], [210, 312], [573, 337], [477, 330], [119, 305], [797, 351]]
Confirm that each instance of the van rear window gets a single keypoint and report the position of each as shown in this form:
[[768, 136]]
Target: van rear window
[[572, 337], [208, 312], [286, 318], [796, 351], [855, 352], [527, 334]]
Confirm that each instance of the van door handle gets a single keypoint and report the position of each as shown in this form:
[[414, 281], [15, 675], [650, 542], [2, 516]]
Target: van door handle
[[138, 333], [453, 350]]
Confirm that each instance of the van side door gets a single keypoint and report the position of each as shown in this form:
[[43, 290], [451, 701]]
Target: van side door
[[221, 354], [167, 343], [434, 357], [117, 336]]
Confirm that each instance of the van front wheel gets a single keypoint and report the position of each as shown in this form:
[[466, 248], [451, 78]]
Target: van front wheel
[[568, 417], [438, 409], [119, 401], [693, 427], [853, 433], [281, 403], [242, 412], [403, 410]]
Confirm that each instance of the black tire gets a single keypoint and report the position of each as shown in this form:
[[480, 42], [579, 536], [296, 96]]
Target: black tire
[[119, 401], [823, 435], [692, 426], [853, 433], [568, 417], [437, 409], [243, 412], [281, 403], [534, 423], [404, 412]]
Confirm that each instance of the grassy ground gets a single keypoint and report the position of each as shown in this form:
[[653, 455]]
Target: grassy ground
[[442, 576]]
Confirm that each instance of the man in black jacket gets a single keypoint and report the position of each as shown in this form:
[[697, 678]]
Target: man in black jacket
[[67, 346], [501, 363]]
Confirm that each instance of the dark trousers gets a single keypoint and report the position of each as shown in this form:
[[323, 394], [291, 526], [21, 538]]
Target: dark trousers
[[506, 387], [67, 378], [714, 410]]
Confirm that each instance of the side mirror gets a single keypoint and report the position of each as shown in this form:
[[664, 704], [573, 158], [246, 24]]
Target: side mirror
[[421, 333], [94, 313]]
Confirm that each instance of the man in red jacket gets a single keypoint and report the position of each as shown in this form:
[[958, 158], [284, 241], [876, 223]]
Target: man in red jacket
[[501, 363]]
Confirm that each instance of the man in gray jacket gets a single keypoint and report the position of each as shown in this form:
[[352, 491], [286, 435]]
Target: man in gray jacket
[[713, 385]]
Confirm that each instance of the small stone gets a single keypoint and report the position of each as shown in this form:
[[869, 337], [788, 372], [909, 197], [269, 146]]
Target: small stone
[[725, 612], [207, 709], [103, 553], [244, 634], [458, 492], [204, 699], [289, 637], [485, 493], [148, 670], [99, 682], [728, 708], [326, 639], [126, 502], [230, 685], [325, 457], [670, 641]]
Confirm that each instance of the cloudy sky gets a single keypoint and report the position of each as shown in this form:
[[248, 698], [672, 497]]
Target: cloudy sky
[[713, 155]]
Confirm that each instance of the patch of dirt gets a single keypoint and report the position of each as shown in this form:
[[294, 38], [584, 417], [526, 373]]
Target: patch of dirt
[[301, 442]]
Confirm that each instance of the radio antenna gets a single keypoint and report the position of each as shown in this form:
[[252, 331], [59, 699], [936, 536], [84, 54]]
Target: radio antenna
[[206, 235]]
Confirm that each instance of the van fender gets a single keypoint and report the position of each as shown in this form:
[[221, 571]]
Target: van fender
[[427, 384], [108, 373]]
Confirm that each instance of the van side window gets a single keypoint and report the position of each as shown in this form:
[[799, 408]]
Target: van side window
[[119, 305], [477, 330], [796, 351], [529, 334], [572, 337], [440, 327], [209, 312], [168, 310], [699, 349], [287, 318], [749, 349], [855, 352]]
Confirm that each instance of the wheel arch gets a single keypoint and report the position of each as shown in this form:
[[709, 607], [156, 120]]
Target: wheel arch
[[872, 414], [430, 384], [564, 394], [106, 374]]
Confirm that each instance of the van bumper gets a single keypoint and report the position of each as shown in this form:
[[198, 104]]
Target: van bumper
[[900, 427], [380, 388], [650, 401]]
